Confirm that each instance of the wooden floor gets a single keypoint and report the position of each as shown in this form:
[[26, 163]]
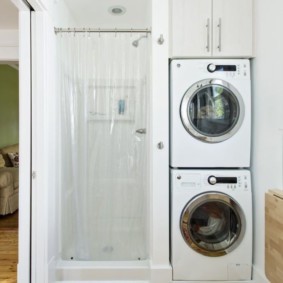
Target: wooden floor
[[8, 248]]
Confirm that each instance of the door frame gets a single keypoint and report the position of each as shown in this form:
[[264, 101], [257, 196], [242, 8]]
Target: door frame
[[24, 58]]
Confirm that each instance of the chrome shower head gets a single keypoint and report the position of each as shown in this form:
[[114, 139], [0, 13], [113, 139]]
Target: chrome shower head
[[135, 43]]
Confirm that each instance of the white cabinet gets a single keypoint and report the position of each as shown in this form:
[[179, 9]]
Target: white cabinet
[[211, 28], [191, 28], [232, 28]]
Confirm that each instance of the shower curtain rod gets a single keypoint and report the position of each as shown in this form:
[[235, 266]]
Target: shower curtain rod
[[59, 30]]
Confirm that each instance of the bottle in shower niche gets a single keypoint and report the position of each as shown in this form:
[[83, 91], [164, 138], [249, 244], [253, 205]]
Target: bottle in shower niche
[[121, 106]]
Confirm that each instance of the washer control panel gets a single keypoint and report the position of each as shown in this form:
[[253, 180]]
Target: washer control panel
[[221, 68], [237, 70], [213, 180], [230, 182]]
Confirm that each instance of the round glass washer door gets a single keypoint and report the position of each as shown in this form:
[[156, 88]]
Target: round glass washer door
[[212, 110], [212, 224]]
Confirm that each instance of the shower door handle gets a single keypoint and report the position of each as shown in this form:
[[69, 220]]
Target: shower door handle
[[141, 131]]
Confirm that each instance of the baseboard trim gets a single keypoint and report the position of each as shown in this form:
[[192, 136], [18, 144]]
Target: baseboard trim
[[161, 274], [259, 276], [215, 281]]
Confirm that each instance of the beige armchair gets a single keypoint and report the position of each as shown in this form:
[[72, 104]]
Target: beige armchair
[[9, 190], [9, 183]]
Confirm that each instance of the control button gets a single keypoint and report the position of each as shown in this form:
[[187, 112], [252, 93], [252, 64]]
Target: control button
[[211, 68], [212, 180]]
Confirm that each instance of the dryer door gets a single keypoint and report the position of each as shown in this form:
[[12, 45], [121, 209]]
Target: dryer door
[[212, 110], [213, 224]]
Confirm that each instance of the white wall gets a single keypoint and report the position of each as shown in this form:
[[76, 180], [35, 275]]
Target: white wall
[[9, 45], [57, 10], [159, 132], [90, 13], [267, 113], [45, 245], [25, 142], [44, 161]]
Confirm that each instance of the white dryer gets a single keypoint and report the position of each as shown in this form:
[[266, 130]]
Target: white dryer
[[211, 225], [210, 113]]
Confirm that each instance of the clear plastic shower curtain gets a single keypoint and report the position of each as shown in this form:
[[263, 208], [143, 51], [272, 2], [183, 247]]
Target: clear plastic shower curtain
[[104, 158]]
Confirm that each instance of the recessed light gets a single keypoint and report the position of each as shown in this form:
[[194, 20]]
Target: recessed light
[[117, 10]]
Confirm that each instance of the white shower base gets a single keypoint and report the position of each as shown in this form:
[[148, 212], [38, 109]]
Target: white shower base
[[115, 225], [94, 271]]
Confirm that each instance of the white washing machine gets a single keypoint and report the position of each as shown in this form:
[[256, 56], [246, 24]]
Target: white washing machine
[[211, 225], [210, 113]]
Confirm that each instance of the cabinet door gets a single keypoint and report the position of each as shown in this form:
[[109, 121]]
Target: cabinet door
[[191, 28], [232, 28]]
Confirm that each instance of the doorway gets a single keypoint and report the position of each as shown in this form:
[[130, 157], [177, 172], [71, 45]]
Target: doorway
[[9, 140], [15, 140]]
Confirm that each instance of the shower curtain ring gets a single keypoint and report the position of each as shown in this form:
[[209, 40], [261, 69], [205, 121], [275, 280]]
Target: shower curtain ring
[[131, 32], [89, 33], [99, 32], [115, 32]]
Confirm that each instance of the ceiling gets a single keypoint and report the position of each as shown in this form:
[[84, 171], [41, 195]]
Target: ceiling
[[8, 15], [94, 13], [91, 13]]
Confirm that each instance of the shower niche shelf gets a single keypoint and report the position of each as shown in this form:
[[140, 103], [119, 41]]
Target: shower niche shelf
[[112, 102]]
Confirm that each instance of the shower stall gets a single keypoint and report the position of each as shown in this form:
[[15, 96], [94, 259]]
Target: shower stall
[[104, 93], [101, 148]]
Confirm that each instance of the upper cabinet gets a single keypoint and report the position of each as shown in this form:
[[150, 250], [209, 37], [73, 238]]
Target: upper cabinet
[[211, 28]]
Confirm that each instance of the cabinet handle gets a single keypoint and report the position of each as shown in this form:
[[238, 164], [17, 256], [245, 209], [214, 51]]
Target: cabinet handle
[[219, 42], [208, 35]]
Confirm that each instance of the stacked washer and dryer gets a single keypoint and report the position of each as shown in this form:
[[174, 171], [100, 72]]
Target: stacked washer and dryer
[[211, 195]]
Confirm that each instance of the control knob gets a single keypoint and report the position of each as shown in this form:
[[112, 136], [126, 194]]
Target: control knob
[[211, 68], [212, 180]]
